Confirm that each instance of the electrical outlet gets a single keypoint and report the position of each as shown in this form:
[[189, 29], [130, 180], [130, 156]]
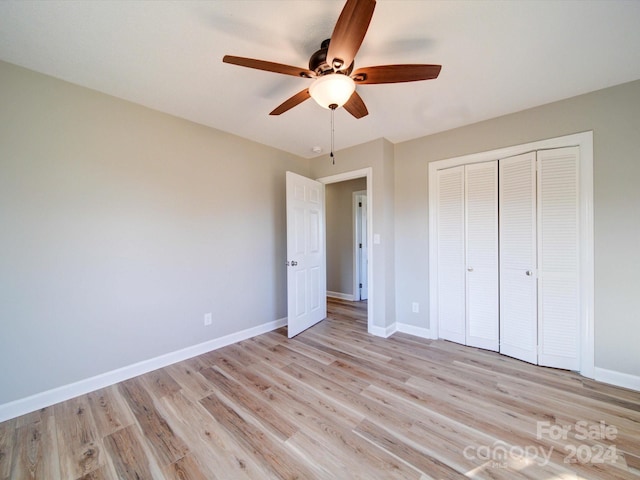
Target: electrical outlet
[[208, 318], [415, 307]]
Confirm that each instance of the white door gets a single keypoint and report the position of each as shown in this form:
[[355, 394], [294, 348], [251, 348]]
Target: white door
[[361, 292], [558, 259], [518, 289], [451, 254], [481, 229], [306, 254]]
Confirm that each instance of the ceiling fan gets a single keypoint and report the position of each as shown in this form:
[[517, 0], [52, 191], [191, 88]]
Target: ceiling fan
[[332, 67]]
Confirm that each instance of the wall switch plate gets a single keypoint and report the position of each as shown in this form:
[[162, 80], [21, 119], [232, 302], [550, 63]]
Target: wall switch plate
[[415, 307], [208, 318]]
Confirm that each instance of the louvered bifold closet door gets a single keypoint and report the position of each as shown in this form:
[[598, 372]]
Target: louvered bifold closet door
[[558, 259], [451, 259], [481, 195], [518, 302]]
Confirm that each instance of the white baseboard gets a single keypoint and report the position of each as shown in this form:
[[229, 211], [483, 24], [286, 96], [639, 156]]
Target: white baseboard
[[403, 328], [50, 397], [618, 379], [384, 332], [413, 330], [342, 296]]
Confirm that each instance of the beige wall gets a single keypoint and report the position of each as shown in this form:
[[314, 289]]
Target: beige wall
[[341, 234], [121, 227], [614, 116]]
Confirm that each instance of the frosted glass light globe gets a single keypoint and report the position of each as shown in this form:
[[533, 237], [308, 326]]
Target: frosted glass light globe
[[332, 89]]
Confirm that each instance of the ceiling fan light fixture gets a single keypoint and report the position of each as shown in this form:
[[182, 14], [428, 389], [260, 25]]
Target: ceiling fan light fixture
[[332, 90]]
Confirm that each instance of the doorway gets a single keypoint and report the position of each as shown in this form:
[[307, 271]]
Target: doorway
[[365, 173]]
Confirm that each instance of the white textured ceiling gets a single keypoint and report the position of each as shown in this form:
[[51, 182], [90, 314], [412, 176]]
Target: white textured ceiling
[[498, 57]]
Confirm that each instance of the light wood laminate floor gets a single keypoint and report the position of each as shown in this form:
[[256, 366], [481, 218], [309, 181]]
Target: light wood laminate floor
[[335, 403]]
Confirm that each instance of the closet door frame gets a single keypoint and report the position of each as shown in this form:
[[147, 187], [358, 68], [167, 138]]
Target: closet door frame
[[584, 141]]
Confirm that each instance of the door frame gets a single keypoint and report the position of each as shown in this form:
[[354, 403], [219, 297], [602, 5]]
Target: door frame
[[582, 140], [357, 280], [368, 174]]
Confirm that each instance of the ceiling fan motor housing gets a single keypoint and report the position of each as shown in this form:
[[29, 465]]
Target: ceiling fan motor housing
[[318, 61]]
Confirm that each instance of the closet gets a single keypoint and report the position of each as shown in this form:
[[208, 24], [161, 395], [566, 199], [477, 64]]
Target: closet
[[507, 236]]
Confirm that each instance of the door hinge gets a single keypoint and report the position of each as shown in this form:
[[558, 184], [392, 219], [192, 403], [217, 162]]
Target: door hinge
[[359, 245], [359, 204], [360, 286]]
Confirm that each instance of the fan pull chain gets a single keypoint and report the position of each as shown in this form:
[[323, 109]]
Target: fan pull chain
[[333, 109]]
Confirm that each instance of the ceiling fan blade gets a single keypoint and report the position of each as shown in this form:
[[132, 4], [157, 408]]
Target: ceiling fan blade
[[355, 106], [395, 73], [288, 104], [349, 32], [269, 66]]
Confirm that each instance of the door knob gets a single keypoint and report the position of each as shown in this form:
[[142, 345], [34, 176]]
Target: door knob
[[529, 273], [470, 269], [294, 263]]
